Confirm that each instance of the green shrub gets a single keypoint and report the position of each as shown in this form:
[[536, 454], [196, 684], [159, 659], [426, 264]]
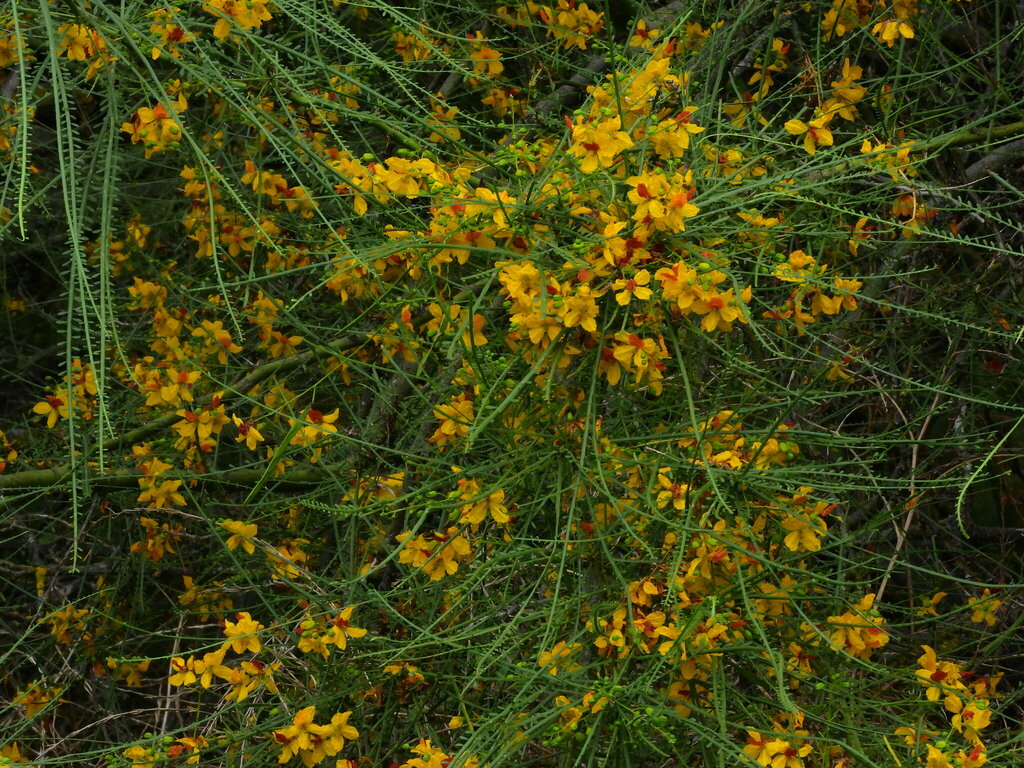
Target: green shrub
[[456, 384]]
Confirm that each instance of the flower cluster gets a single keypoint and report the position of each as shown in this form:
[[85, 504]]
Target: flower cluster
[[156, 128], [649, 327]]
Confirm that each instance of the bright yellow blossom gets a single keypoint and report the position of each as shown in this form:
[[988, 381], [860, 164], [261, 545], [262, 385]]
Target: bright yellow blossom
[[241, 535], [246, 14], [634, 287], [815, 133], [54, 407], [984, 608], [891, 30], [247, 433], [598, 143], [242, 634]]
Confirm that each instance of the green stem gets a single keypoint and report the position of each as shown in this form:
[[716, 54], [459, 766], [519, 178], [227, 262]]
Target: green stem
[[128, 478], [970, 136]]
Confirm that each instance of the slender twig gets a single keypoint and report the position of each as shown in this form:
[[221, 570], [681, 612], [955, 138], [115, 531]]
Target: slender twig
[[166, 706], [901, 530], [990, 162]]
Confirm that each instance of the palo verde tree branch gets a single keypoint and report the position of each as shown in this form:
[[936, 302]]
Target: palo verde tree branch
[[52, 478]]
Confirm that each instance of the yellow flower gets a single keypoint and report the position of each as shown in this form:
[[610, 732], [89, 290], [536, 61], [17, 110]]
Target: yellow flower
[[183, 672], [11, 757], [641, 357], [442, 123], [892, 30], [805, 529], [66, 621], [985, 608], [430, 756], [912, 736], [217, 341], [936, 758], [661, 201], [633, 287], [54, 407], [929, 605], [574, 24], [242, 635], [559, 658], [504, 100], [598, 143], [311, 742], [455, 417], [282, 346], [177, 390], [159, 539], [210, 666], [288, 558], [241, 535], [672, 136], [720, 309], [480, 505], [140, 756], [672, 492], [678, 285], [520, 281], [297, 737], [760, 749], [156, 128], [247, 14], [193, 743], [414, 47], [973, 759], [247, 433], [643, 37], [858, 631], [81, 43], [815, 132], [334, 735], [317, 424], [168, 32], [972, 718], [570, 716], [612, 639], [486, 60], [340, 629], [439, 554], [579, 308], [845, 92], [939, 677]]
